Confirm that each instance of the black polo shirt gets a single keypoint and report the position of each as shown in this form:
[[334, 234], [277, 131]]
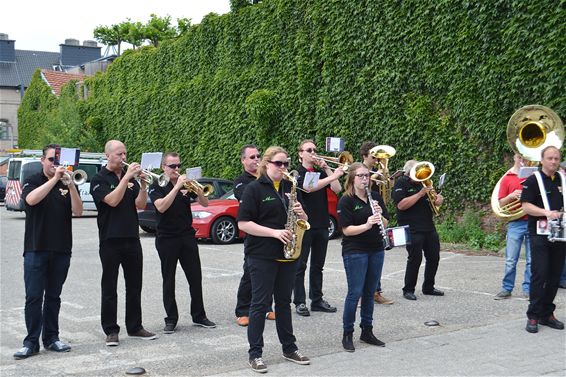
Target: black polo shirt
[[354, 211], [49, 222], [120, 221], [531, 194], [267, 207], [419, 216], [178, 219], [316, 202], [241, 182]]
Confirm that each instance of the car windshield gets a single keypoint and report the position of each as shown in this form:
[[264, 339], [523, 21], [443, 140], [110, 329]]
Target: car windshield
[[228, 195]]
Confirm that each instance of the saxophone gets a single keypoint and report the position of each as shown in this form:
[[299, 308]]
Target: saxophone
[[298, 227], [382, 230]]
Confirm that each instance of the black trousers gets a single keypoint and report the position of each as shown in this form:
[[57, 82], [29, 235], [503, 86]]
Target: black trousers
[[244, 295], [270, 277], [315, 243], [128, 253], [429, 244], [183, 249], [547, 261]]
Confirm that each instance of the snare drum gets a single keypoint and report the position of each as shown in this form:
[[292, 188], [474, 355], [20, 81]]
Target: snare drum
[[399, 236]]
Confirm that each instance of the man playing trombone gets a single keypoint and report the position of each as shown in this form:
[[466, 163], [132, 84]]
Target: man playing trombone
[[176, 242], [117, 195]]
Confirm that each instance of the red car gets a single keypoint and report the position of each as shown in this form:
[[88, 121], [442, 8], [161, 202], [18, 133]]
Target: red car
[[218, 221]]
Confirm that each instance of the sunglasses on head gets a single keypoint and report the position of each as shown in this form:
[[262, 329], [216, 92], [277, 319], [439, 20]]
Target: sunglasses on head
[[280, 164], [309, 150], [173, 166], [254, 156]]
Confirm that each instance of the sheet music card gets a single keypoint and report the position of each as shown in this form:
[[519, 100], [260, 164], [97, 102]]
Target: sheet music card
[[194, 173], [334, 144], [311, 180], [67, 156], [151, 160]]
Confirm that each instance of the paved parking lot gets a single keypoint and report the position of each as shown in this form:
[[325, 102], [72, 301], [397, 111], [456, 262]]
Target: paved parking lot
[[477, 335]]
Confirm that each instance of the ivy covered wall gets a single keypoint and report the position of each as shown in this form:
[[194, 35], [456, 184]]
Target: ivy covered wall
[[436, 79]]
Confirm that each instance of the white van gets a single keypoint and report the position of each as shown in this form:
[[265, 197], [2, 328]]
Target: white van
[[28, 162]]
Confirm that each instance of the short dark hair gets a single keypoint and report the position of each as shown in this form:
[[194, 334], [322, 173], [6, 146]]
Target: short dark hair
[[247, 146], [365, 148], [48, 147], [547, 148], [168, 154]]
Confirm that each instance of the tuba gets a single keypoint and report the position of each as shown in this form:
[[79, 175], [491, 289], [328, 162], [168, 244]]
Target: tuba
[[421, 172], [529, 130], [297, 226], [382, 153]]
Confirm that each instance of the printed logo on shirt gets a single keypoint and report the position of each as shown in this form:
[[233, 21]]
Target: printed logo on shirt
[[130, 185], [268, 198], [411, 189], [95, 187], [184, 192], [63, 192], [357, 207]]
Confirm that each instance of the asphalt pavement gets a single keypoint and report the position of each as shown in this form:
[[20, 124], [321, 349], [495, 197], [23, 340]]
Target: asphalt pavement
[[477, 335]]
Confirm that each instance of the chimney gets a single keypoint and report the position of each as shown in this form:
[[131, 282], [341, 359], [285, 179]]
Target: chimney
[[73, 54], [7, 49]]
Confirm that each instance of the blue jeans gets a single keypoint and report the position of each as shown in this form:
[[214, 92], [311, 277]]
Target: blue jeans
[[517, 233], [44, 275], [361, 275]]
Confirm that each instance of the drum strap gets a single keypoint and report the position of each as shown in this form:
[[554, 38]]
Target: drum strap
[[543, 190]]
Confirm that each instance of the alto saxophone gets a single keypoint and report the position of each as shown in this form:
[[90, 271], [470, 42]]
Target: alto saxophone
[[382, 230], [297, 226]]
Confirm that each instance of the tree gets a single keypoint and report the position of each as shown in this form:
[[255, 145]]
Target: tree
[[158, 29], [112, 35]]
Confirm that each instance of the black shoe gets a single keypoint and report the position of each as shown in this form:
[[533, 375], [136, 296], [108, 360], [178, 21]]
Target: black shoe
[[348, 341], [434, 292], [205, 322], [323, 306], [409, 296], [26, 352], [368, 337], [302, 310], [58, 346], [169, 328], [552, 322], [532, 326]]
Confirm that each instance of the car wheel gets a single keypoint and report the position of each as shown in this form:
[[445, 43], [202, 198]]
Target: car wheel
[[332, 228], [224, 230], [147, 229]]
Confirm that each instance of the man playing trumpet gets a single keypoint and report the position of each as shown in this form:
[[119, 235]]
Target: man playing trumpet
[[176, 242]]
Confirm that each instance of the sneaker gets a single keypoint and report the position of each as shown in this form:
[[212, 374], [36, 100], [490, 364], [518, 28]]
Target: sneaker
[[552, 322], [58, 346], [270, 316], [169, 328], [26, 352], [380, 299], [323, 306], [143, 334], [296, 357], [532, 326], [243, 321], [302, 310], [258, 365], [112, 340], [502, 295], [205, 322]]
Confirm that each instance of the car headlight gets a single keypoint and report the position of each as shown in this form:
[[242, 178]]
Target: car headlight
[[201, 214]]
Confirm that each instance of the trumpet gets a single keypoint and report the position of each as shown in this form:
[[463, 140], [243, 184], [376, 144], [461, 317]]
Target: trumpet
[[78, 177], [162, 179], [343, 160], [193, 186]]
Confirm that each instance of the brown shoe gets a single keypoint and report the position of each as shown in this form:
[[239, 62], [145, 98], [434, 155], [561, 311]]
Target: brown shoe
[[112, 340], [143, 334], [380, 299], [270, 316], [243, 321]]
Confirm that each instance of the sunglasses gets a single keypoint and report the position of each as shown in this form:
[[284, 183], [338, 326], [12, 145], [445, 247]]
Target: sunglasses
[[362, 176], [174, 166], [309, 150], [50, 159], [254, 156], [280, 164]]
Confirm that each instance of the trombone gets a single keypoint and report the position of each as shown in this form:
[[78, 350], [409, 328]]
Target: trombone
[[343, 160], [149, 177], [193, 186]]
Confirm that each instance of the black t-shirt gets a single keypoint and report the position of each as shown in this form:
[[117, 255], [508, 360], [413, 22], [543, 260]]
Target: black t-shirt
[[354, 211], [418, 216], [178, 219], [241, 182], [267, 207], [531, 194], [316, 202], [120, 221], [49, 222]]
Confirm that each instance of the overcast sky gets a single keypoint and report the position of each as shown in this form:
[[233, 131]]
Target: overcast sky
[[42, 25]]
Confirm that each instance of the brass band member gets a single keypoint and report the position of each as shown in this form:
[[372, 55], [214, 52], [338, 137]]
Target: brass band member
[[263, 215], [176, 243], [49, 206], [117, 196], [315, 241], [362, 219], [414, 210], [547, 258], [370, 162]]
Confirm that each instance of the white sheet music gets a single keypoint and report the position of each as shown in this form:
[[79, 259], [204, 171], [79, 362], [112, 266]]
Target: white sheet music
[[311, 180], [151, 160]]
